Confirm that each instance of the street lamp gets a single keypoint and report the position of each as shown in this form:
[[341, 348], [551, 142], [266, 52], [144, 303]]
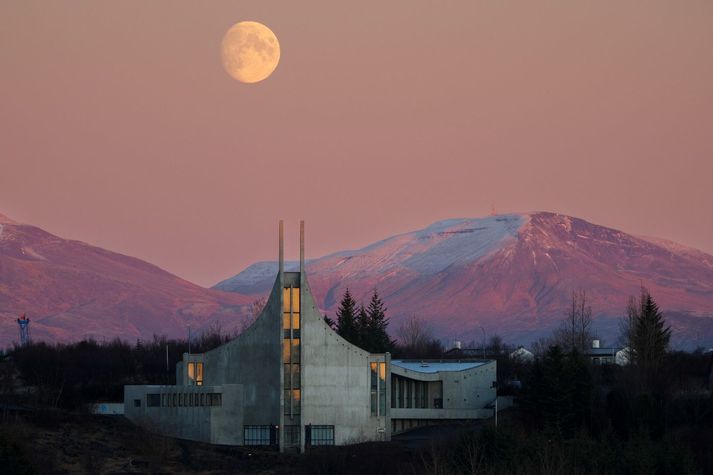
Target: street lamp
[[483, 329]]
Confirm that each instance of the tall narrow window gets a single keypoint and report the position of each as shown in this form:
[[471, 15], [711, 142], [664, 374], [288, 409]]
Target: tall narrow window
[[408, 393], [374, 384], [191, 372], [199, 374], [394, 385], [291, 350], [382, 388]]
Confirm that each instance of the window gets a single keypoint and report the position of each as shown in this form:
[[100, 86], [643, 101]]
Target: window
[[137, 402], [292, 435], [215, 399], [202, 399], [320, 435], [408, 393], [394, 385], [153, 400], [382, 388], [195, 373], [291, 300], [401, 392], [199, 374], [292, 402], [292, 376], [291, 350], [259, 435], [174, 400], [374, 386], [164, 400]]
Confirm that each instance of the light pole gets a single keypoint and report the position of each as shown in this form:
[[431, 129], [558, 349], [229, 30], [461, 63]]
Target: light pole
[[483, 329]]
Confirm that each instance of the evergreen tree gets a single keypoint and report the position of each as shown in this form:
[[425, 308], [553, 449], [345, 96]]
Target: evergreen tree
[[557, 397], [376, 338], [330, 323], [346, 318], [648, 335], [362, 329]]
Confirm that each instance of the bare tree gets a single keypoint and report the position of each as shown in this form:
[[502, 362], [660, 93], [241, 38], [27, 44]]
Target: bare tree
[[414, 333], [575, 330], [256, 308], [416, 339]]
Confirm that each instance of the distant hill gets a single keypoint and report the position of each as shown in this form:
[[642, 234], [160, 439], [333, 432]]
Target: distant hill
[[71, 290], [512, 275]]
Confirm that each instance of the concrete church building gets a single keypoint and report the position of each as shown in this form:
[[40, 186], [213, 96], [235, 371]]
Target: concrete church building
[[291, 381]]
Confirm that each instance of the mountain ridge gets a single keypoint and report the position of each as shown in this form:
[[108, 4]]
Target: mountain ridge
[[72, 290], [514, 274]]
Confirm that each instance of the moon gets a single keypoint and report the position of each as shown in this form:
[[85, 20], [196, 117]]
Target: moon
[[250, 51]]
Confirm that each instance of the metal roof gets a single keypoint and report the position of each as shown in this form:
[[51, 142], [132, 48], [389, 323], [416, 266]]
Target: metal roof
[[601, 351], [436, 367]]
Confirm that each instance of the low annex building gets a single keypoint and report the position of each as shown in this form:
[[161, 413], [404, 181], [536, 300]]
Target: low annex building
[[290, 381]]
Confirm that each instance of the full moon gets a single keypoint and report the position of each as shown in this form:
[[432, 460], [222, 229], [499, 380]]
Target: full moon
[[250, 51]]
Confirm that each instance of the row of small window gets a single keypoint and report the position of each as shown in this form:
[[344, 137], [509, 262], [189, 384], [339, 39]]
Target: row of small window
[[269, 435], [182, 400], [409, 394]]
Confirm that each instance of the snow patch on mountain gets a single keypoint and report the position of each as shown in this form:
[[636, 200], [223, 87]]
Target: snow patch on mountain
[[426, 251], [258, 277]]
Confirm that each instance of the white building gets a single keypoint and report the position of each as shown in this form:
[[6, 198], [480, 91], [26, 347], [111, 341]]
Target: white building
[[290, 381]]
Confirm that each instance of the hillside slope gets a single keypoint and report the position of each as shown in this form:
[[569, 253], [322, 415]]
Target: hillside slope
[[72, 290], [513, 275]]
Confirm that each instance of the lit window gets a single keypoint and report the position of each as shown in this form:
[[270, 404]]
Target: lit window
[[382, 388], [295, 301], [374, 387], [195, 373], [294, 353], [294, 381], [292, 402], [199, 374]]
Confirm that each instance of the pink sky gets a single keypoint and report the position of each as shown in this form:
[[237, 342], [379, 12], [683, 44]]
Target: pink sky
[[119, 127]]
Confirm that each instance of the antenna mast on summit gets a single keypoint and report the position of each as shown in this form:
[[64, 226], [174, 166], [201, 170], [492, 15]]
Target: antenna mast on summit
[[24, 324]]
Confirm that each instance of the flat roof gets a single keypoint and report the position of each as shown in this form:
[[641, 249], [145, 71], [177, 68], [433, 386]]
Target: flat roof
[[438, 366]]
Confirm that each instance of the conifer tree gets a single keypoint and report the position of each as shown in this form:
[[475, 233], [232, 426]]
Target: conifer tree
[[376, 337], [346, 318], [363, 338], [648, 336]]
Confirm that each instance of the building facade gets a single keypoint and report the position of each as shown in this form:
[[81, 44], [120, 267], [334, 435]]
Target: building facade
[[290, 381]]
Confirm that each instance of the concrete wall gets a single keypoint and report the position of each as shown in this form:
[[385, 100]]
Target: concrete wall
[[253, 360], [336, 381], [214, 424], [465, 393]]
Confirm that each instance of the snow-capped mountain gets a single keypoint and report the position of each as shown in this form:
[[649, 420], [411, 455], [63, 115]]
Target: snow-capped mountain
[[512, 275]]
